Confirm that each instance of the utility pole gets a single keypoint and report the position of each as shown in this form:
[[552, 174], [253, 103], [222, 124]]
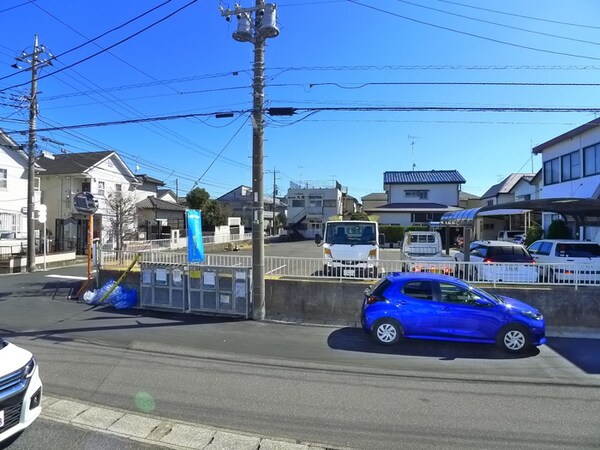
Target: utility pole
[[274, 172], [256, 30], [36, 60]]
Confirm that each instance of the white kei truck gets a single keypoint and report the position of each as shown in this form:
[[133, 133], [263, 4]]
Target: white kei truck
[[351, 248], [422, 251]]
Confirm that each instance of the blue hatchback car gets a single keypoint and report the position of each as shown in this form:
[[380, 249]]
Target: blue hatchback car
[[440, 307]]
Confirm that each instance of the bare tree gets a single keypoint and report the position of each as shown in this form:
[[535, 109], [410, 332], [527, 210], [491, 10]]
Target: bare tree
[[124, 216]]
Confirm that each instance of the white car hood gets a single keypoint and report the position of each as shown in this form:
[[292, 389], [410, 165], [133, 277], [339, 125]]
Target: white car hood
[[357, 252], [13, 358]]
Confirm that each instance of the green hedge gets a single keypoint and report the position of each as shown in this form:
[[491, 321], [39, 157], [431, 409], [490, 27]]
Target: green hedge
[[395, 233]]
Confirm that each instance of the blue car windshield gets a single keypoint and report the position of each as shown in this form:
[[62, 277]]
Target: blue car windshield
[[488, 294]]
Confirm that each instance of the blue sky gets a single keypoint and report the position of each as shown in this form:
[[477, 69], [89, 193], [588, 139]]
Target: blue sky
[[330, 54]]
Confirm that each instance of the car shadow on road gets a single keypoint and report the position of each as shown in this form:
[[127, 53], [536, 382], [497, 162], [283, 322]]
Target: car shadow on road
[[356, 340], [579, 351]]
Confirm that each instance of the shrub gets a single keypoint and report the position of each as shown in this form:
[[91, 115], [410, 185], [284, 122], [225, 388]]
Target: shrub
[[393, 233], [558, 230], [534, 233]]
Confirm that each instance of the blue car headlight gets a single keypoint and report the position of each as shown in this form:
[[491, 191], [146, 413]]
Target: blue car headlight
[[532, 315]]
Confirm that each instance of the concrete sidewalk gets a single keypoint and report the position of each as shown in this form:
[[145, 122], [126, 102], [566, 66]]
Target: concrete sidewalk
[[160, 431]]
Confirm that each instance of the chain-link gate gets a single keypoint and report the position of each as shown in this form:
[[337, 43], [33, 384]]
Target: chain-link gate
[[196, 288]]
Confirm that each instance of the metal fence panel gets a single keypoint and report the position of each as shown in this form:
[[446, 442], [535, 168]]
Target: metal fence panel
[[162, 287], [223, 290]]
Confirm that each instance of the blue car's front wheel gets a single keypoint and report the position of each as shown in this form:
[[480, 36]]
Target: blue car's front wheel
[[513, 338], [387, 331]]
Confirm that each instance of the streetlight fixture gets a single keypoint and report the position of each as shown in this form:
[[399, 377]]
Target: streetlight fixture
[[256, 30]]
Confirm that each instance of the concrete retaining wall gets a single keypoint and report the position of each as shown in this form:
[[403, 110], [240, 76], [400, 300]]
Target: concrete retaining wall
[[331, 300], [334, 301]]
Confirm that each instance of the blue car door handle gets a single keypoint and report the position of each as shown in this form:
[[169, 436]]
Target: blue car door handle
[[445, 308]]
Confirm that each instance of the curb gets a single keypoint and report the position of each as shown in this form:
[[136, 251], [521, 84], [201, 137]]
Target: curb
[[162, 431]]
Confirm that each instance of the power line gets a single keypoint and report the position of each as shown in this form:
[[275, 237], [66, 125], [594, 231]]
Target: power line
[[520, 15], [497, 24], [16, 6], [498, 41], [89, 41], [107, 48], [445, 83], [336, 108]]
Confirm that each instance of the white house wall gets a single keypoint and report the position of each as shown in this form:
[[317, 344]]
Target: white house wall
[[446, 194], [403, 219], [584, 187], [14, 196]]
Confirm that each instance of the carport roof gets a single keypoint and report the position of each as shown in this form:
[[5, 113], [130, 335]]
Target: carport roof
[[579, 208]]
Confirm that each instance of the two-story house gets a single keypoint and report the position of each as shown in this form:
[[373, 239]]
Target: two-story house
[[310, 205], [417, 197], [239, 202], [506, 190], [571, 169], [65, 175], [13, 187]]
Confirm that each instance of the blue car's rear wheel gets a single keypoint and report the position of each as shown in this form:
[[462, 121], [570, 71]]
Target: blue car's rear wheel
[[513, 338], [387, 331]]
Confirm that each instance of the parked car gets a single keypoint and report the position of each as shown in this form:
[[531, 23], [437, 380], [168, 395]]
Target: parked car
[[496, 261], [434, 306], [20, 390], [567, 260], [510, 235], [519, 239]]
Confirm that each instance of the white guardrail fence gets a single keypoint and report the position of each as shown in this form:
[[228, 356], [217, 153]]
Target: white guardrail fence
[[474, 272]]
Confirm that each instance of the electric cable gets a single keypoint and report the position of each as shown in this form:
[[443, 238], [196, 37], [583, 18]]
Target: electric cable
[[498, 41], [107, 48]]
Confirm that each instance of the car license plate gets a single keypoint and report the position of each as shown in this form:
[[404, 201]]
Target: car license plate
[[1, 418], [349, 273]]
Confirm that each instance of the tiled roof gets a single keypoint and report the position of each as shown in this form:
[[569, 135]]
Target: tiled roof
[[506, 185], [156, 203], [423, 176], [71, 162], [375, 196]]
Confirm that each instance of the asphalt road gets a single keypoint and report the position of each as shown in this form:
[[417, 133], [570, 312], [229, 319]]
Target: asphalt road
[[318, 384], [47, 434]]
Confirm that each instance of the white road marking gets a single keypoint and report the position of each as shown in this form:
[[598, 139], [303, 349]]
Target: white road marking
[[67, 277]]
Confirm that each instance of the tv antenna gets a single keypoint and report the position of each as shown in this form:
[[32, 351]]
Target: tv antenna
[[412, 149]]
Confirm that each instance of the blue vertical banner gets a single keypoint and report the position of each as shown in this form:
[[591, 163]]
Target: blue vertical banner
[[195, 244]]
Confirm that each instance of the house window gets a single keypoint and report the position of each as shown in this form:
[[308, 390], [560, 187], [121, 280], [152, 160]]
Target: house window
[[591, 160], [551, 171], [298, 203], [118, 187], [490, 202], [421, 195], [315, 201], [3, 178], [100, 187], [330, 203], [571, 166]]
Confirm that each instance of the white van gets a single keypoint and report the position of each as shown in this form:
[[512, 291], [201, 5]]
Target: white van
[[567, 260], [20, 390]]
